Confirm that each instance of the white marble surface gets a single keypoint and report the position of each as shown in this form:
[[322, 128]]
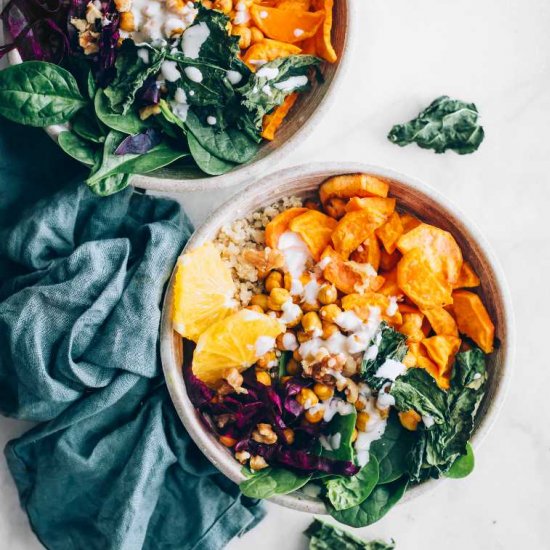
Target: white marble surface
[[496, 53]]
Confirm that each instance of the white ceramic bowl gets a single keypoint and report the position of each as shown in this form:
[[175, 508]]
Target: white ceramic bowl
[[412, 195], [299, 123]]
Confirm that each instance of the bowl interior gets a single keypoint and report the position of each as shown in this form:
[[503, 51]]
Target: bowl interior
[[299, 121], [413, 197]]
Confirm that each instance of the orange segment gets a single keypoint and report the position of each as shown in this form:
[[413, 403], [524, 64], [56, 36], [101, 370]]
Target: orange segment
[[286, 25], [203, 291], [236, 341]]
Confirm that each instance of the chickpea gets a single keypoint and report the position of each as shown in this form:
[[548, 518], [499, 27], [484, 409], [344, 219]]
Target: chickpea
[[256, 35], [360, 404], [307, 306], [286, 341], [274, 280], [302, 336], [351, 391], [287, 281], [296, 355], [307, 398], [277, 297], [267, 360], [127, 22], [263, 378], [227, 440], [362, 421], [330, 312], [409, 420], [258, 463], [327, 294], [315, 416], [311, 323], [293, 367], [259, 300], [329, 329], [245, 35], [289, 435], [322, 391], [225, 6], [255, 308], [285, 379]]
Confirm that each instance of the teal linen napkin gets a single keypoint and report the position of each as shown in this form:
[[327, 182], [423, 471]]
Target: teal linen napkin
[[109, 466]]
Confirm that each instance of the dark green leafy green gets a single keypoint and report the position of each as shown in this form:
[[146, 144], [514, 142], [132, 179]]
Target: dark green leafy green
[[230, 145], [272, 481], [344, 492], [338, 435], [325, 536], [392, 450], [283, 362], [112, 164], [376, 506], [392, 346], [79, 149], [130, 123], [463, 466], [110, 185], [40, 94], [131, 73], [446, 124], [268, 87], [206, 161], [87, 126]]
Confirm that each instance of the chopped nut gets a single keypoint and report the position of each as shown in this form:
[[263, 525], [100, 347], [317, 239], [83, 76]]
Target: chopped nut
[[235, 380], [79, 24], [264, 434], [265, 260], [242, 456], [89, 42], [123, 5], [258, 463], [92, 13]]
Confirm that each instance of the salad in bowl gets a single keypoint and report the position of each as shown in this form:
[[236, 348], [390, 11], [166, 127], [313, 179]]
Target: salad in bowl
[[337, 344], [129, 87]]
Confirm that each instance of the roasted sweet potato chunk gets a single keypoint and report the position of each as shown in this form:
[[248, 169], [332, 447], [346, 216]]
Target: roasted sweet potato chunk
[[352, 230], [390, 232], [267, 50], [420, 283], [441, 321], [353, 185], [439, 248], [412, 327], [272, 121], [279, 224], [390, 286], [442, 350], [467, 277], [316, 230], [473, 320], [380, 208], [368, 252], [409, 222], [389, 261], [361, 305], [336, 208], [281, 24], [323, 42], [297, 5]]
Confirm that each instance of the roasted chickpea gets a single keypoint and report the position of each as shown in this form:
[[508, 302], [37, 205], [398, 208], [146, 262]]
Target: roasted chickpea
[[311, 323], [327, 294], [330, 312], [227, 440], [293, 367], [274, 280], [289, 435], [277, 297], [259, 300], [362, 421], [316, 415], [255, 308], [322, 391], [307, 398], [263, 378]]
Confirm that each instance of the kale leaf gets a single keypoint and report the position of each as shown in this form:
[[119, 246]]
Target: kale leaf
[[325, 536], [446, 124], [392, 345]]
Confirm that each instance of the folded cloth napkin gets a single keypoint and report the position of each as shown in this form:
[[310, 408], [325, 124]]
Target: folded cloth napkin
[[109, 465]]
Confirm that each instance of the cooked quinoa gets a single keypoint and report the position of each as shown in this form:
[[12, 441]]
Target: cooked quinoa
[[249, 233]]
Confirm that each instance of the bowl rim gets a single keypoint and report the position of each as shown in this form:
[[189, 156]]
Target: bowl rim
[[218, 455], [244, 173]]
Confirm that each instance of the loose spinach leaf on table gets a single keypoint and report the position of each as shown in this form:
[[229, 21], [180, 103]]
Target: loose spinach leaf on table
[[340, 431], [445, 124], [206, 161], [130, 123], [392, 450], [81, 150], [111, 164], [376, 506], [324, 536], [230, 145], [36, 93], [272, 481], [131, 73], [392, 346], [344, 492], [268, 87]]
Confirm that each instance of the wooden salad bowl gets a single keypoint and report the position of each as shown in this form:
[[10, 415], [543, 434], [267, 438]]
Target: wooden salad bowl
[[299, 123], [413, 196]]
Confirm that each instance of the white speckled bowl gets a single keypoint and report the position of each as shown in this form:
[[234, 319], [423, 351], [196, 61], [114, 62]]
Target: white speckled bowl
[[412, 195], [299, 123]]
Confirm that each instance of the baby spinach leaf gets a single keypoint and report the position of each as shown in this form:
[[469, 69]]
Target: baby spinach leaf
[[87, 126], [36, 93], [130, 123], [325, 536], [392, 450], [345, 492], [131, 73], [272, 481], [112, 164], [338, 434], [229, 145], [268, 87], [206, 161], [445, 124], [375, 507], [78, 148], [110, 185], [463, 466], [392, 346], [417, 390]]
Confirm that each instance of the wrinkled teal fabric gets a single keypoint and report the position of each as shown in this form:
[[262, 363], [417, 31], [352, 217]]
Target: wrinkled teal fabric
[[109, 464]]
